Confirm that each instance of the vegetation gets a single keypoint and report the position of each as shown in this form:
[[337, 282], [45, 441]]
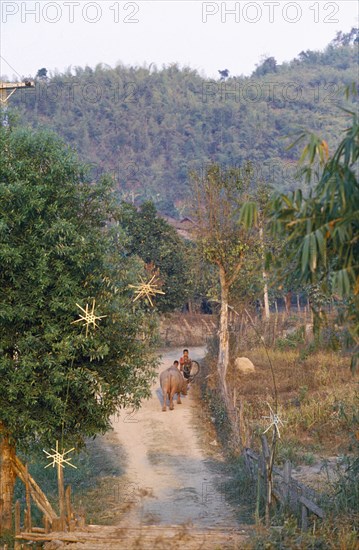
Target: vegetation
[[71, 236], [157, 243], [151, 127], [221, 238], [318, 403], [59, 249], [322, 229]]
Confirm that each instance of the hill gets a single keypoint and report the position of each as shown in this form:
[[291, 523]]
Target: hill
[[150, 127]]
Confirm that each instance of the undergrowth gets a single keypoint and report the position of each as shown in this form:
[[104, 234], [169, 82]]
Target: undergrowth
[[318, 402], [330, 535]]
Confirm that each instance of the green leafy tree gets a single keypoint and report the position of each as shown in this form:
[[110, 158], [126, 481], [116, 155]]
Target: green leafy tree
[[42, 73], [219, 195], [344, 39], [59, 247], [269, 65], [203, 283], [323, 228], [253, 214], [161, 248]]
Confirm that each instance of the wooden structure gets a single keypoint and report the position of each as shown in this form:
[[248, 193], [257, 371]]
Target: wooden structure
[[7, 89], [67, 521], [146, 537], [287, 491]]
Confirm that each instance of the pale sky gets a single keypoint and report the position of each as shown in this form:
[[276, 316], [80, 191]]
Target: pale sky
[[206, 36]]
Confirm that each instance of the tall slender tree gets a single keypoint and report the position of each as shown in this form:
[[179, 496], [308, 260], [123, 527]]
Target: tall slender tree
[[219, 195]]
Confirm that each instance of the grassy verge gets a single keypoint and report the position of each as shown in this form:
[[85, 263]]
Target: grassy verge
[[331, 535], [318, 400]]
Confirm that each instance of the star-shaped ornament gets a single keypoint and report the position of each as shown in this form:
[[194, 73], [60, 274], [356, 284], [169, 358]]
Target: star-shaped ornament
[[275, 421], [89, 318], [146, 290], [59, 458]]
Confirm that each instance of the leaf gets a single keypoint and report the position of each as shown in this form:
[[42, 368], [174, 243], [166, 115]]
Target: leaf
[[313, 255], [298, 140], [341, 282], [305, 253], [321, 241], [249, 214]]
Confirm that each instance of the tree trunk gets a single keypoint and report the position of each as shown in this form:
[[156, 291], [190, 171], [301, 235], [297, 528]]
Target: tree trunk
[[7, 481], [265, 285], [266, 299], [223, 355], [287, 301]]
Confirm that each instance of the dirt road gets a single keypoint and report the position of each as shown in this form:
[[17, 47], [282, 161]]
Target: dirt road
[[167, 479], [169, 493]]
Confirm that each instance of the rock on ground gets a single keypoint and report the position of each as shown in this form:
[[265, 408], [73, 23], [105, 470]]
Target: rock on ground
[[244, 365]]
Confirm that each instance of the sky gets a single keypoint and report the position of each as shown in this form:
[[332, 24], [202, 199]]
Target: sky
[[207, 36]]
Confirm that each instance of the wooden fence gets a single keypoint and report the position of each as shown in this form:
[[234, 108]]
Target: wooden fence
[[68, 519], [289, 492]]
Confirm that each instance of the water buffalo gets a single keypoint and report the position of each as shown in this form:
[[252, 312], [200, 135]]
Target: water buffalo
[[172, 382]]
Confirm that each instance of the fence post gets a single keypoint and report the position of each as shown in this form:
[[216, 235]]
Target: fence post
[[28, 501], [68, 504], [17, 518], [304, 518], [258, 501], [287, 472], [267, 477], [81, 523], [248, 463], [290, 489], [60, 484], [46, 524]]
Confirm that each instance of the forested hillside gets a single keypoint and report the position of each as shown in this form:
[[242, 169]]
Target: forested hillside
[[150, 127]]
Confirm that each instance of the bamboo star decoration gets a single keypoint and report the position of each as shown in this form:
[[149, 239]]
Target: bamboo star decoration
[[275, 421], [89, 318], [146, 290], [59, 458]]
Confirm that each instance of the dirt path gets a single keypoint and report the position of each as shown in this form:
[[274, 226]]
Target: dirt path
[[169, 493], [167, 479]]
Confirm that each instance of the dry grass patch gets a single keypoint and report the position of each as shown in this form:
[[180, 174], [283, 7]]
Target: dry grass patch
[[317, 396]]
